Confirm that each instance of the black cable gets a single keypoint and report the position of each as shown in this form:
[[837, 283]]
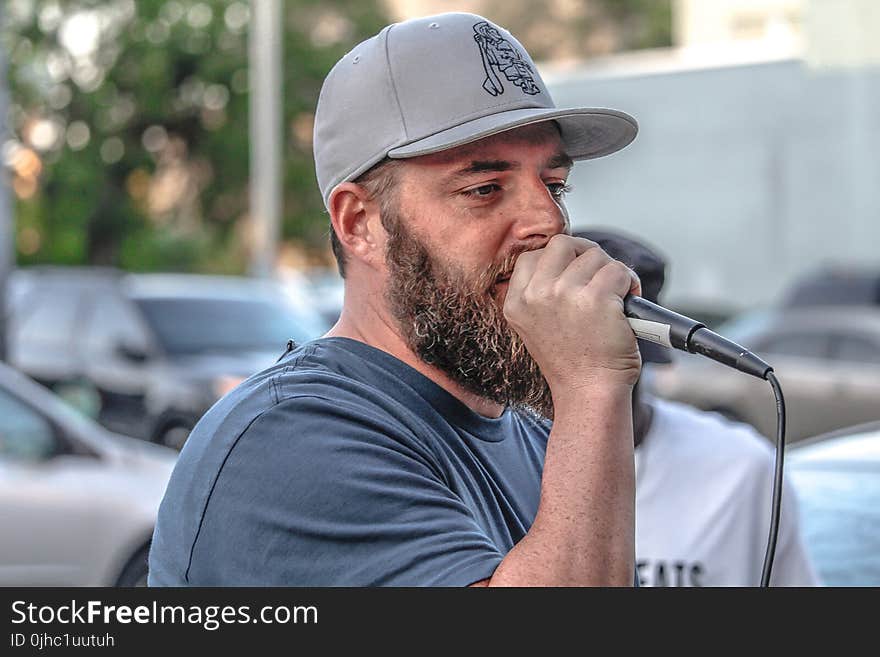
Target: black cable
[[777, 479]]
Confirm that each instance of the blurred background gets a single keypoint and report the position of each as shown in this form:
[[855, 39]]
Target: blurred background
[[162, 235]]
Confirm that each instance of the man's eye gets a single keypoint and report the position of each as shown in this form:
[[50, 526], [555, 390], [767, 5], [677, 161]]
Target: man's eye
[[482, 190], [558, 190]]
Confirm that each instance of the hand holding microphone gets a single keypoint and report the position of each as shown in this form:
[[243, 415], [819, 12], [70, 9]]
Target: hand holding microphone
[[656, 324], [557, 291], [648, 320]]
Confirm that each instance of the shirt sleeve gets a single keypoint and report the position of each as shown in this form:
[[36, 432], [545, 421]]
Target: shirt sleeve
[[320, 492]]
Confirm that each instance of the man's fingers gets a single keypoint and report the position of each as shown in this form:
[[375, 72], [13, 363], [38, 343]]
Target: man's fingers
[[524, 269], [618, 279], [548, 263], [574, 262], [583, 268], [559, 253]]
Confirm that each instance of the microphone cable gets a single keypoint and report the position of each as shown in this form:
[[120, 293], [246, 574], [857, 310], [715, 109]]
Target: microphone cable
[[670, 329], [776, 496]]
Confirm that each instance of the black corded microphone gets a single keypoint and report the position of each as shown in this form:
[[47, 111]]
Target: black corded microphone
[[657, 324], [665, 327]]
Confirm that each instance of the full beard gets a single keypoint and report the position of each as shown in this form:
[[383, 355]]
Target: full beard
[[457, 325]]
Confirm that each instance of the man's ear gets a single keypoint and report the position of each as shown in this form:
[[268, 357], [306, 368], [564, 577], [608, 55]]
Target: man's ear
[[357, 220]]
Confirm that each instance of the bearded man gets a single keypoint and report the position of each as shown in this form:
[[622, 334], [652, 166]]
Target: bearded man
[[468, 419]]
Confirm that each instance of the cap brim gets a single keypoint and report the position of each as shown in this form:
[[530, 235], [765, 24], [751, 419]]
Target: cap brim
[[586, 132]]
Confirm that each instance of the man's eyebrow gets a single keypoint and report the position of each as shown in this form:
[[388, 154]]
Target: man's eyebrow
[[560, 160], [481, 166]]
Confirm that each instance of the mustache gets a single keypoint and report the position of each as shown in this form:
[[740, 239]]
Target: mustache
[[502, 268]]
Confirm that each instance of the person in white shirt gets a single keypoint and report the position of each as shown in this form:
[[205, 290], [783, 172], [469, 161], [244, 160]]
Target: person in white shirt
[[703, 483]]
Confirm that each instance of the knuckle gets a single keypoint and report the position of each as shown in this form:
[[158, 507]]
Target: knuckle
[[512, 305], [537, 293], [559, 242], [618, 269], [529, 297], [593, 255], [590, 244], [601, 254]]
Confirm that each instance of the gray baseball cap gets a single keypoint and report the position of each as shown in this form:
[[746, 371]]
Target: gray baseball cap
[[433, 83]]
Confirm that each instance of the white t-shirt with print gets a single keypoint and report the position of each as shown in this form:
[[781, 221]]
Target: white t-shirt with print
[[703, 504]]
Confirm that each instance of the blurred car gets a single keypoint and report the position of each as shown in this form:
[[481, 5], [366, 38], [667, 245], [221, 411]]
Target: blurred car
[[827, 360], [328, 292], [154, 351], [834, 285], [77, 503], [318, 288], [837, 480]]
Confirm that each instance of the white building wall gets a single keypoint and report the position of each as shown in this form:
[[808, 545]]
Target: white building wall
[[744, 176]]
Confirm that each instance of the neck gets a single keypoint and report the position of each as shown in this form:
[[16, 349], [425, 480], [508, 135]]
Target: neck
[[366, 323]]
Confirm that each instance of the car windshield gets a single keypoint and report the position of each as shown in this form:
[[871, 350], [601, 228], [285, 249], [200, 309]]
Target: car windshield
[[195, 325], [745, 325], [50, 404]]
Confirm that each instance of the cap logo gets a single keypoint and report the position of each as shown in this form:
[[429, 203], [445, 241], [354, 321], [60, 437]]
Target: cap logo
[[499, 56]]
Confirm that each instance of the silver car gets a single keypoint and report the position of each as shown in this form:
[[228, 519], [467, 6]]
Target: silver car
[[77, 503], [827, 360], [152, 351], [837, 478]]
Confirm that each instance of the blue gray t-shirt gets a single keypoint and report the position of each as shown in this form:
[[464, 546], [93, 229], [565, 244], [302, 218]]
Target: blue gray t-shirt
[[342, 466]]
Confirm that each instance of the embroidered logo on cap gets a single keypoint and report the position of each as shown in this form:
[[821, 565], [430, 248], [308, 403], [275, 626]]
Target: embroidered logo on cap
[[499, 55]]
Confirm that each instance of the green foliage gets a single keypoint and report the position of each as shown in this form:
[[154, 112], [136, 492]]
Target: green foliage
[[162, 181], [148, 168], [644, 23]]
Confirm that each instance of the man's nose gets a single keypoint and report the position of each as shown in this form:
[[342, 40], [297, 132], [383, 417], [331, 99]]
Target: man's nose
[[540, 215]]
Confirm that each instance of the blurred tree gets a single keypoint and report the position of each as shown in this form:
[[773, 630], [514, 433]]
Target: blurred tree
[[130, 134]]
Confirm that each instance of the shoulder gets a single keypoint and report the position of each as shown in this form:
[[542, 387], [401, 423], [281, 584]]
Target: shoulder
[[688, 430], [341, 370], [318, 401], [329, 377]]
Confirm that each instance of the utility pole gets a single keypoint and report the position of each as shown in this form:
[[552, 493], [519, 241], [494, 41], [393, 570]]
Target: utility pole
[[266, 137], [7, 225]]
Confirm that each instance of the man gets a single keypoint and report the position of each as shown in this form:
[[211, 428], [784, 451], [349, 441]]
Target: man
[[703, 484], [412, 444]]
